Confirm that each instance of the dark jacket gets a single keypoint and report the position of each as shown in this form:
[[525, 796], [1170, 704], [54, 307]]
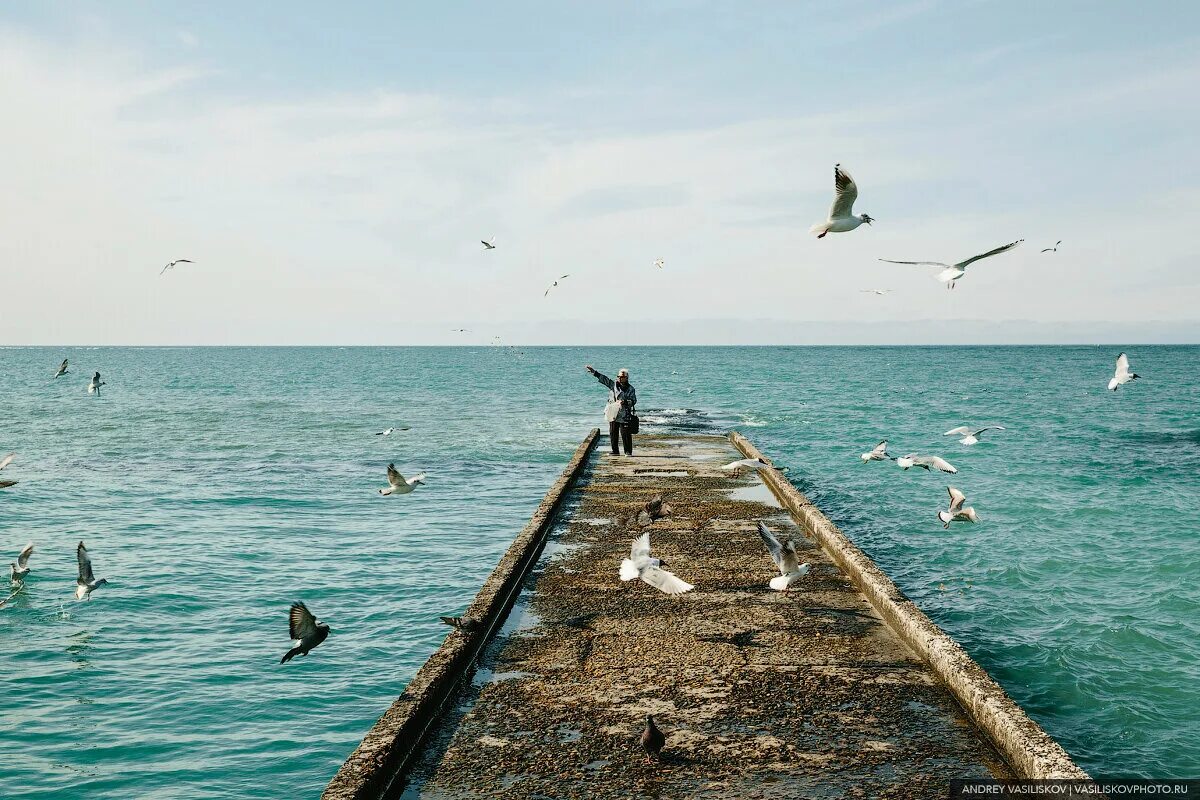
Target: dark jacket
[[626, 396]]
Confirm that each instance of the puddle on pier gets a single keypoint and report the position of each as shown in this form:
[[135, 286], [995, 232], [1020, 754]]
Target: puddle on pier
[[758, 493]]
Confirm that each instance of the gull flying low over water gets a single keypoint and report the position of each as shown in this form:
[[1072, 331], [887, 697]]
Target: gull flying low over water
[[62, 368], [926, 463], [878, 453], [172, 265], [957, 513], [389, 431], [95, 384], [488, 245], [551, 286], [970, 436], [652, 740], [86, 583], [1052, 249], [750, 463], [784, 555], [398, 484], [841, 217], [641, 565], [952, 272], [8, 459], [306, 631], [1122, 376], [20, 567]]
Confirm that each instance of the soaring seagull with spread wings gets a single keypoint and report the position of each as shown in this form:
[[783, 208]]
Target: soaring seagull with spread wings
[[1122, 375], [488, 245], [841, 216], [172, 265], [551, 286], [86, 583], [783, 553], [641, 565], [1052, 249], [926, 463], [877, 453], [306, 631], [952, 272], [398, 484], [970, 436], [957, 512]]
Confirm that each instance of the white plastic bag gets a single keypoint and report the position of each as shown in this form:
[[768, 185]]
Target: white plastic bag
[[612, 410]]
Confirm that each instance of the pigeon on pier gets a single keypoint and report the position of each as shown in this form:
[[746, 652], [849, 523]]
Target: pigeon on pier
[[652, 740], [784, 555], [641, 565], [841, 216], [306, 631], [969, 436], [654, 510], [1122, 375], [398, 484], [62, 369], [879, 453], [926, 463], [20, 567], [464, 624], [86, 583], [957, 513]]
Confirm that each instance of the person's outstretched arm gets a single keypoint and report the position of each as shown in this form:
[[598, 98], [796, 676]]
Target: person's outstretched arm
[[607, 381]]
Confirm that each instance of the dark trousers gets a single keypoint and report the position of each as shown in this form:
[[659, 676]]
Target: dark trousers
[[617, 429]]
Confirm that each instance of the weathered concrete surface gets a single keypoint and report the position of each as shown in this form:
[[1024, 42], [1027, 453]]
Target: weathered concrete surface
[[1030, 751], [761, 694]]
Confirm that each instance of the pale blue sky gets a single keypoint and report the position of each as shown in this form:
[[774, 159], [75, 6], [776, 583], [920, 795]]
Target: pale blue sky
[[331, 170]]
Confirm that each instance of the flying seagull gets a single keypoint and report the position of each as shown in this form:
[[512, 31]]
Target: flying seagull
[[970, 436], [841, 219], [464, 624], [95, 384], [62, 368], [925, 462], [641, 565], [306, 631], [957, 513], [880, 292], [398, 484], [389, 431], [86, 583], [8, 459], [488, 245], [658, 262], [1122, 376], [460, 330], [953, 272], [784, 555], [652, 740], [551, 286], [1052, 249], [750, 463], [20, 567], [879, 453], [172, 265]]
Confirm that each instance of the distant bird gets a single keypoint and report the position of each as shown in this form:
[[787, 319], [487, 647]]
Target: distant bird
[[750, 463], [1052, 249], [460, 330], [969, 436], [784, 555], [953, 272], [464, 624], [20, 567], [306, 631], [879, 453], [62, 368], [658, 262], [925, 462], [652, 740], [488, 245], [398, 484], [86, 583], [841, 219], [172, 265], [957, 512], [1122, 376], [389, 431], [551, 286], [641, 565], [879, 292], [95, 384]]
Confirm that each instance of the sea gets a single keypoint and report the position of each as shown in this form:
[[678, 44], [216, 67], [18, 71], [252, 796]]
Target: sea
[[215, 486]]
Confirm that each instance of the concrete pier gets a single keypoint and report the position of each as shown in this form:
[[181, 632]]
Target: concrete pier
[[839, 687]]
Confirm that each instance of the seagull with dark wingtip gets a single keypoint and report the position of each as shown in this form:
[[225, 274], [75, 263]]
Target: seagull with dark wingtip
[[306, 631], [86, 583], [62, 369], [20, 567], [95, 384]]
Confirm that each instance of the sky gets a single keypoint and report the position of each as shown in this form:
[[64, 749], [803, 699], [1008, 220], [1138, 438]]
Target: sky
[[331, 169]]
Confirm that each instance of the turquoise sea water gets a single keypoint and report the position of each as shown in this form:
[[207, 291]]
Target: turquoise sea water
[[216, 485]]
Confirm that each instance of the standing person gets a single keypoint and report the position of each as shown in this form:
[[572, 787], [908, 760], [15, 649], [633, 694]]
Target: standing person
[[620, 414]]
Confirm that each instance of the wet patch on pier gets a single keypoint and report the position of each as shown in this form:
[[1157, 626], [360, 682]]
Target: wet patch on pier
[[761, 694]]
